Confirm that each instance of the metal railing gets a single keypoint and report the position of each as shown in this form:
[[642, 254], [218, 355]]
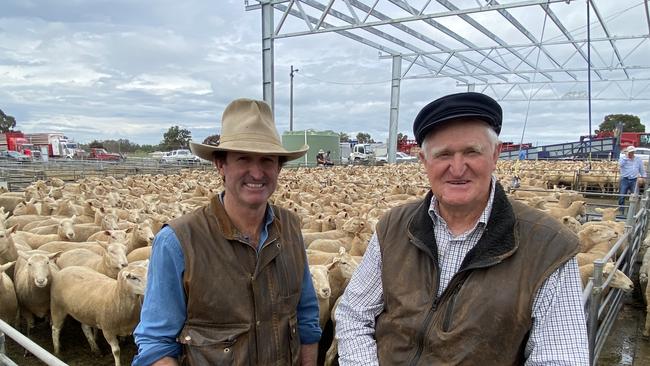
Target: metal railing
[[602, 303], [27, 344]]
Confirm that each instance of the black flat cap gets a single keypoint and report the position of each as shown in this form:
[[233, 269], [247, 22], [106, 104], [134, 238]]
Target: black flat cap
[[454, 106]]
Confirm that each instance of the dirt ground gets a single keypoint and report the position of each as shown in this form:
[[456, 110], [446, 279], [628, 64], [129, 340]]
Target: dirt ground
[[75, 350]]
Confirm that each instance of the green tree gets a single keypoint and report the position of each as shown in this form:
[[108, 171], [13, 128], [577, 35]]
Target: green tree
[[631, 123], [402, 137], [212, 140], [344, 137], [364, 138], [176, 138], [7, 122]]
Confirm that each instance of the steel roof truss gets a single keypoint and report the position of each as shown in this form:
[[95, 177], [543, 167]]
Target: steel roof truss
[[368, 42], [283, 18], [379, 33], [352, 12], [635, 48], [408, 68], [487, 33], [325, 12], [603, 24], [414, 33], [528, 35], [562, 28], [405, 6], [370, 11]]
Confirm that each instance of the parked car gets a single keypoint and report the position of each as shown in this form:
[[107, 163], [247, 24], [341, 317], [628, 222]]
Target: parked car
[[14, 156], [400, 157], [179, 157]]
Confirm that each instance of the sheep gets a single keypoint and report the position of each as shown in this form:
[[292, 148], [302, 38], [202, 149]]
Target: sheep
[[8, 248], [333, 350], [593, 235], [571, 222], [620, 280], [110, 263], [64, 246], [138, 236], [8, 300], [339, 273], [98, 301], [139, 254], [65, 232], [352, 228], [32, 279], [319, 277], [319, 257], [107, 222], [577, 208]]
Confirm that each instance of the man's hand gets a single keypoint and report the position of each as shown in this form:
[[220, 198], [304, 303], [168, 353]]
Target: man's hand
[[308, 354]]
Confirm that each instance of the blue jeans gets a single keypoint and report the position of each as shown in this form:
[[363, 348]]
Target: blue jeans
[[628, 185]]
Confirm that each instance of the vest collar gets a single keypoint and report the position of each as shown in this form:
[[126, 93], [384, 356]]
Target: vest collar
[[497, 242], [231, 232]]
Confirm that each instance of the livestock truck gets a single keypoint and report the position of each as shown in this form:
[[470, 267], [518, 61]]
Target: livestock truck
[[56, 143], [17, 141]]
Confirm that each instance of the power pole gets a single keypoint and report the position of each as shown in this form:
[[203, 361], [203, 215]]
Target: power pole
[[293, 71]]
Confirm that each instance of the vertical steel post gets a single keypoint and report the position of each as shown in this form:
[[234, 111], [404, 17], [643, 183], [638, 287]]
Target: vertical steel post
[[593, 307], [267, 54], [293, 71], [394, 107]]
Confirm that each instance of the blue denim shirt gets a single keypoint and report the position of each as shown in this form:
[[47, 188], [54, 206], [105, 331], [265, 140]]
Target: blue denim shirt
[[164, 309]]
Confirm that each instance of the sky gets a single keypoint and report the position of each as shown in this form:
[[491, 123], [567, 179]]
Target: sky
[[131, 69]]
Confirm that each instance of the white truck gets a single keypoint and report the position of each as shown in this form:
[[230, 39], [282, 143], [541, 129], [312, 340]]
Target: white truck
[[362, 154]]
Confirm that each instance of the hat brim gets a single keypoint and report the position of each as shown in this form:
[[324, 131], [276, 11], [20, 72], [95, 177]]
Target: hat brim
[[205, 152]]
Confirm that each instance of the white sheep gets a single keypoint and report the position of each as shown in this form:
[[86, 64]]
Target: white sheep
[[620, 280], [110, 263], [139, 254], [319, 277], [98, 301], [65, 232], [32, 280], [8, 300]]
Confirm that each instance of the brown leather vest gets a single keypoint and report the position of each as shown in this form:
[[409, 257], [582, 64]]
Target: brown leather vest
[[241, 305], [484, 315]]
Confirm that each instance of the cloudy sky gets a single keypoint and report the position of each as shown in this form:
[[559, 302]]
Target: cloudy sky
[[109, 69]]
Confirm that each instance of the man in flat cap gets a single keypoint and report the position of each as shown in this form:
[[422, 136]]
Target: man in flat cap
[[464, 276], [229, 283]]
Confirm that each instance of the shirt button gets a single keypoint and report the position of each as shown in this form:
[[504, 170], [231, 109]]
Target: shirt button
[[226, 350], [188, 338]]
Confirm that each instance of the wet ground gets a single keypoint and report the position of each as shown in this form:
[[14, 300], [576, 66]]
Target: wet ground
[[626, 345]]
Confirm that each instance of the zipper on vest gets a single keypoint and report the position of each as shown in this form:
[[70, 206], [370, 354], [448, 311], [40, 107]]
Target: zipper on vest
[[421, 332], [450, 308]]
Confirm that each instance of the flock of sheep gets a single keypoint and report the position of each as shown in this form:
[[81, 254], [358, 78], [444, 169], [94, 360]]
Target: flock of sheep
[[80, 249]]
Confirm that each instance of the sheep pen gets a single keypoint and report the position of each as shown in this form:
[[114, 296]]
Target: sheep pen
[[324, 198]]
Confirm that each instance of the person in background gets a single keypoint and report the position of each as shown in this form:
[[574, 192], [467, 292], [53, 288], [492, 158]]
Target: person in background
[[631, 168], [229, 283], [464, 276], [320, 158]]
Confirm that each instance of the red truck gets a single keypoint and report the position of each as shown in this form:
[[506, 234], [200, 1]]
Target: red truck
[[16, 141], [98, 153]]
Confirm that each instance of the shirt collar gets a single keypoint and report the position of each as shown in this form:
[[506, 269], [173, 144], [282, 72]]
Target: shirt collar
[[434, 210], [268, 219]]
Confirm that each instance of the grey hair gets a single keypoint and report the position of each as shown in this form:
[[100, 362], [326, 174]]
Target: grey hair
[[489, 131]]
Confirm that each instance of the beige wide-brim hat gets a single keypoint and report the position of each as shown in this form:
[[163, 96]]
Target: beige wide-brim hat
[[630, 149], [247, 126]]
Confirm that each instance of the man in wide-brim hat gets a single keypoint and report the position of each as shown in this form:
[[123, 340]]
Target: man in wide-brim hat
[[229, 283]]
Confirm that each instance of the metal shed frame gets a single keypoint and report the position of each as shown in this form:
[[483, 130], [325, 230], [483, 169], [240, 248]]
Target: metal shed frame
[[465, 40]]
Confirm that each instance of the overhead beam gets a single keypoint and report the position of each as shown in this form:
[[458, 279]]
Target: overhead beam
[[603, 24]]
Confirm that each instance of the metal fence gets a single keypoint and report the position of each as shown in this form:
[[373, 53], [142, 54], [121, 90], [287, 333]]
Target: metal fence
[[26, 343], [15, 176], [602, 303]]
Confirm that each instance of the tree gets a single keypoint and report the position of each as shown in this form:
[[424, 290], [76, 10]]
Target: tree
[[631, 123], [176, 138], [7, 122], [364, 138], [212, 140], [343, 137], [402, 137]]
